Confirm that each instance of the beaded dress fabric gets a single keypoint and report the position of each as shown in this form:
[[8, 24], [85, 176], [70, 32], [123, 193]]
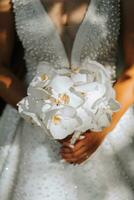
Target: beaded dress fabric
[[30, 164]]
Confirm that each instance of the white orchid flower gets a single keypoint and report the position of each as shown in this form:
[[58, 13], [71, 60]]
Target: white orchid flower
[[66, 101], [39, 93], [44, 75], [96, 69], [61, 91], [23, 108], [90, 71], [62, 122]]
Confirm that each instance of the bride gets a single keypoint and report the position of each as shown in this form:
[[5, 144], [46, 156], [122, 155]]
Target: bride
[[63, 33]]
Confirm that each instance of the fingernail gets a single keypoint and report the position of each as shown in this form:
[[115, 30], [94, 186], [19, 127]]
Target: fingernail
[[71, 146], [62, 161], [82, 137]]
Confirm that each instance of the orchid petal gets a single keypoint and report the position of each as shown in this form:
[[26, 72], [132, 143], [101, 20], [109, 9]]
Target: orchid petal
[[86, 120], [68, 111], [58, 132], [91, 87], [38, 82], [38, 93], [93, 66], [75, 100], [79, 78], [114, 105], [61, 83]]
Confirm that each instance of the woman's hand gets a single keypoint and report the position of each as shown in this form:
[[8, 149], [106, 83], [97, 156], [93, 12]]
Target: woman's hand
[[83, 149]]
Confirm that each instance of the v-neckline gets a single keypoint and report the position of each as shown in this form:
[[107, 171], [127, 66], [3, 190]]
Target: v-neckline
[[70, 62]]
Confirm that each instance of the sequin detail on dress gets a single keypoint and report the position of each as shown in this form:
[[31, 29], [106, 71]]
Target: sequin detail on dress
[[96, 39], [40, 174]]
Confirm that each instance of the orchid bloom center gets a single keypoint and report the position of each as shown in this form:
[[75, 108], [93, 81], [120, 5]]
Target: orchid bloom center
[[83, 94], [44, 77], [56, 119], [64, 98], [76, 70]]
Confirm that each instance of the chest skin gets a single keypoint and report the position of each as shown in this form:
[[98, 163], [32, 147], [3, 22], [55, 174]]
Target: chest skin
[[67, 16]]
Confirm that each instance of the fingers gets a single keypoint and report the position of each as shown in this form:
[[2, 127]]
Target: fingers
[[77, 153], [65, 150], [78, 145], [77, 160], [76, 157], [82, 149], [80, 161]]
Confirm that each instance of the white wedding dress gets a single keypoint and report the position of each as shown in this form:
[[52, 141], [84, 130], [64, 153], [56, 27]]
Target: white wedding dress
[[30, 164]]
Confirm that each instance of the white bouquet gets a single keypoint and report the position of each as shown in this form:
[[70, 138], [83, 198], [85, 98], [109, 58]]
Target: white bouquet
[[66, 101]]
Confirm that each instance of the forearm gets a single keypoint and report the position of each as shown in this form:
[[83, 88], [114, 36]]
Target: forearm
[[12, 90], [124, 88]]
